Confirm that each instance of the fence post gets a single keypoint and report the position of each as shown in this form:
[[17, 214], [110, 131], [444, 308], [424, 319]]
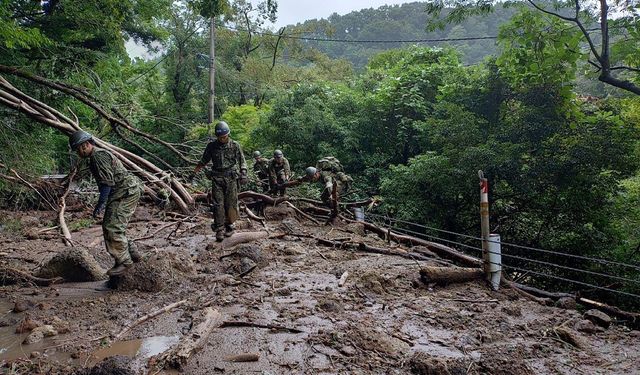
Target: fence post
[[484, 222], [495, 261]]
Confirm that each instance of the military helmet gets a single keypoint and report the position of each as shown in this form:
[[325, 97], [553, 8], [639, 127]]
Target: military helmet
[[277, 154], [79, 137], [310, 171], [256, 154], [222, 129]]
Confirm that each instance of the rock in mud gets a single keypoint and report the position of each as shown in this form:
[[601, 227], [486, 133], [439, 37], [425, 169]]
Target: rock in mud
[[27, 324], [423, 364], [586, 326], [39, 333], [148, 276], [566, 303], [74, 264], [22, 305], [598, 317], [116, 365]]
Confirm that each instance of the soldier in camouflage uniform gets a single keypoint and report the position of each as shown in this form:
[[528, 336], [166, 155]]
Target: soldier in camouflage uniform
[[334, 180], [279, 172], [119, 195], [228, 168], [261, 170]]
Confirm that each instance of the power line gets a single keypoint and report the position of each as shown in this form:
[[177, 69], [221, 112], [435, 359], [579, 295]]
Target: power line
[[161, 60], [535, 272], [432, 40], [508, 244]]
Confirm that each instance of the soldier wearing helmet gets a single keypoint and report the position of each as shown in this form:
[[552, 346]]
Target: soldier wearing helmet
[[227, 170], [330, 173], [119, 195], [279, 172], [261, 170]]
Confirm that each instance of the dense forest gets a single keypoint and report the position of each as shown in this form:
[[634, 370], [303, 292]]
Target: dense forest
[[412, 124], [402, 22]]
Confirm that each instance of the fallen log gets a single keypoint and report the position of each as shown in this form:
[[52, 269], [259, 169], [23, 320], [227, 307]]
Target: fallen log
[[262, 197], [10, 276], [632, 319], [542, 293], [450, 275], [342, 204], [512, 285], [243, 237], [272, 327], [246, 357], [441, 250], [177, 358]]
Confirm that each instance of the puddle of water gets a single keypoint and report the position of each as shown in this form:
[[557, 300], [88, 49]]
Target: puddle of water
[[141, 348]]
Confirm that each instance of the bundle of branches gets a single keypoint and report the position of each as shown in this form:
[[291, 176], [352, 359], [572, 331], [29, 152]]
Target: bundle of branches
[[155, 178]]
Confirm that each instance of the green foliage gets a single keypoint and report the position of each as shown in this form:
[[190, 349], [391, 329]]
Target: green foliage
[[9, 225], [244, 121], [539, 51], [80, 224]]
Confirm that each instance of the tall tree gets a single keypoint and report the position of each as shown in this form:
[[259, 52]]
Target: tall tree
[[610, 29]]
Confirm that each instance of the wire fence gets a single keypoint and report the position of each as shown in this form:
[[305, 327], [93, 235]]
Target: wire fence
[[525, 265]]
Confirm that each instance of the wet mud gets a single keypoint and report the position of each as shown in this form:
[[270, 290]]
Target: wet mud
[[300, 320]]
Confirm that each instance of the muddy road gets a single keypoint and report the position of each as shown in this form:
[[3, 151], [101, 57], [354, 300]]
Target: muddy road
[[289, 305]]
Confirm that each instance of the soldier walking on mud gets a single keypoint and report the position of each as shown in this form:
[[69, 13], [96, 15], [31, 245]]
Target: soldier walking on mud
[[279, 172], [330, 173], [119, 195], [261, 170], [228, 169]]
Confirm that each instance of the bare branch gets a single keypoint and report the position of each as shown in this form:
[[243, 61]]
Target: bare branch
[[551, 13], [625, 68]]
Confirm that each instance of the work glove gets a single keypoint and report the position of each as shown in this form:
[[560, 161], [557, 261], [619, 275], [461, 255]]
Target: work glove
[[244, 179]]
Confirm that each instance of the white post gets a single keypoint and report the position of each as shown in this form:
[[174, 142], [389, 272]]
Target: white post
[[495, 261]]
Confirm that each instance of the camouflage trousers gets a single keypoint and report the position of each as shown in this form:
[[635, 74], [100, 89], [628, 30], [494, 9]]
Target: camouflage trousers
[[225, 201], [114, 224], [326, 197]]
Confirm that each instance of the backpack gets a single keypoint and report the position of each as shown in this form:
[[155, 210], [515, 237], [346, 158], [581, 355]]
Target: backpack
[[330, 164]]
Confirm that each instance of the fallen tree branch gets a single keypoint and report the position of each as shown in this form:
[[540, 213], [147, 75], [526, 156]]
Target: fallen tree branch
[[450, 275], [543, 293], [245, 273], [342, 204], [147, 317], [197, 338], [152, 235], [633, 319], [66, 235], [27, 183], [262, 197], [11, 276], [297, 210], [272, 327], [441, 250], [242, 237]]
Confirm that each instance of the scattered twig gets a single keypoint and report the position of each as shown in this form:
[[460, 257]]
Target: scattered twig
[[245, 273], [147, 317], [245, 357], [272, 327]]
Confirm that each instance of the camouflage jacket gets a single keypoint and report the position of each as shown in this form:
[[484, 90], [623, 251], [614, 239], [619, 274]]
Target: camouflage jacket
[[275, 169], [107, 170], [225, 157], [261, 167]]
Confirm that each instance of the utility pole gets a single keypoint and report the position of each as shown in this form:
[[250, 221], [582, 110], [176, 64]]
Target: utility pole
[[212, 68]]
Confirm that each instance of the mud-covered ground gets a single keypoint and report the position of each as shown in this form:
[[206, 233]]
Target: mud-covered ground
[[382, 320]]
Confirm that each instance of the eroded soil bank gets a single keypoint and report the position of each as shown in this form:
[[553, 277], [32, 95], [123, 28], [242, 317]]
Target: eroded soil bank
[[284, 309]]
